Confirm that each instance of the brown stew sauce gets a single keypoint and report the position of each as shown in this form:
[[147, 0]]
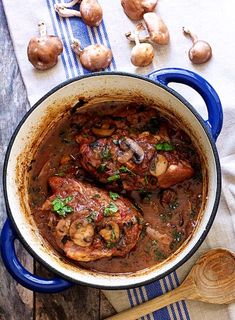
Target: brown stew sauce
[[58, 155]]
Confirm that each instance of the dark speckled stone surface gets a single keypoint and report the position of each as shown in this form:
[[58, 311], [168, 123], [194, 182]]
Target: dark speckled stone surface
[[17, 303]]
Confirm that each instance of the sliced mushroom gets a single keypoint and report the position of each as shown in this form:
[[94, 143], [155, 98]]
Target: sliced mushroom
[[95, 57], [81, 233], [126, 156], [90, 11], [157, 29], [138, 155], [62, 228], [103, 131], [159, 165], [43, 51], [111, 232]]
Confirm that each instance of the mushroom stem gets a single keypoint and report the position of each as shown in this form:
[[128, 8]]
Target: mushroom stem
[[193, 37], [76, 46], [131, 36], [70, 4], [66, 13], [42, 29]]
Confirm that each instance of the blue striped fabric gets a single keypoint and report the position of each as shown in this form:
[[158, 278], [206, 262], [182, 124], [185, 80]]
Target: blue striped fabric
[[70, 28]]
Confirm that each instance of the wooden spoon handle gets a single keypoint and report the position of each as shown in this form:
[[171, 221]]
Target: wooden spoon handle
[[150, 306]]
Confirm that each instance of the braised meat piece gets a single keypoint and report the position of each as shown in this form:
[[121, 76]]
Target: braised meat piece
[[90, 223], [132, 152]]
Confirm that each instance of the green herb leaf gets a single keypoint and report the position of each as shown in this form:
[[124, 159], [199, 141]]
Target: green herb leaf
[[106, 154], [95, 195], [115, 141], [154, 242], [110, 209], [113, 178], [113, 235], [165, 146], [59, 205], [159, 255], [113, 195], [177, 235], [124, 169], [110, 245], [92, 216], [102, 168]]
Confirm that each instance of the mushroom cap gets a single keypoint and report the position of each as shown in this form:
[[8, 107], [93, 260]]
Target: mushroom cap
[[91, 12], [135, 9], [142, 54], [43, 51], [157, 29], [96, 57], [200, 52]]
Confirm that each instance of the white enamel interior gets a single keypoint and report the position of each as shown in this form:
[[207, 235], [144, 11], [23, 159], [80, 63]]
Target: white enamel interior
[[105, 85]]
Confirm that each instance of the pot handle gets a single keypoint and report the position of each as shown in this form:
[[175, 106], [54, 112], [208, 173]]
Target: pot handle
[[207, 92], [19, 273]]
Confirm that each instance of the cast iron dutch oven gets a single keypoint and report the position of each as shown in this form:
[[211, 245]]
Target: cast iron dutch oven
[[152, 89]]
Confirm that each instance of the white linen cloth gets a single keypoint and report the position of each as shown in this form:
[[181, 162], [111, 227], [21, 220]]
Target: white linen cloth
[[214, 22]]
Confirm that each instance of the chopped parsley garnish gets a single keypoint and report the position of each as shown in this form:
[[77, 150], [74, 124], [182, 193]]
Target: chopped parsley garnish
[[154, 242], [106, 154], [146, 179], [113, 195], [60, 206], [165, 146], [173, 205], [159, 255], [113, 235], [113, 178], [95, 195], [177, 235], [110, 245], [110, 209], [124, 169], [115, 141], [92, 216], [102, 168]]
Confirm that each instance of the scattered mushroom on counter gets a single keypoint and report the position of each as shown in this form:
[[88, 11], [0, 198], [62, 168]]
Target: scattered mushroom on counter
[[43, 51], [157, 31], [95, 57], [142, 54], [135, 9], [90, 11], [201, 51]]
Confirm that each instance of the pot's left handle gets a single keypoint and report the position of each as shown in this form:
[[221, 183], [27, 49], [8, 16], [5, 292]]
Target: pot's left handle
[[19, 273]]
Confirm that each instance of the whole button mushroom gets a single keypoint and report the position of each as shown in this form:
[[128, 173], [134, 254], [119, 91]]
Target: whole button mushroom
[[43, 51], [201, 51], [142, 54], [135, 9], [95, 57], [90, 11]]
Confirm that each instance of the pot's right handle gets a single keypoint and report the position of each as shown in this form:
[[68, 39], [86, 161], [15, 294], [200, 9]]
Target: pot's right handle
[[207, 92], [19, 273]]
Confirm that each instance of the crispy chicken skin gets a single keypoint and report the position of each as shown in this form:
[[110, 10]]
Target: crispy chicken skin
[[89, 224]]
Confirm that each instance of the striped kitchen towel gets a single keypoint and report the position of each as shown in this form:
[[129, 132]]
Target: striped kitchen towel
[[23, 17]]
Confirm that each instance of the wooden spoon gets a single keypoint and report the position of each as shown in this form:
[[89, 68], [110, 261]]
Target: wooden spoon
[[212, 280]]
